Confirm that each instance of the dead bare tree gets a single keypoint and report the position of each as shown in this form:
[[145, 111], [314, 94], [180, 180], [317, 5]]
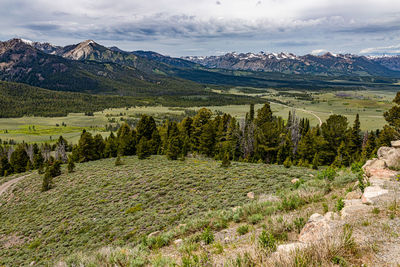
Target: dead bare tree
[[60, 152], [29, 151], [45, 149], [294, 129], [246, 138]]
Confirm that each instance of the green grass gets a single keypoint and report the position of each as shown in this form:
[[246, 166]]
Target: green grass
[[102, 204], [369, 104]]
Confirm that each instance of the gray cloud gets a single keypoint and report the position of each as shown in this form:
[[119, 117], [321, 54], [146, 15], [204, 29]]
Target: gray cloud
[[178, 27]]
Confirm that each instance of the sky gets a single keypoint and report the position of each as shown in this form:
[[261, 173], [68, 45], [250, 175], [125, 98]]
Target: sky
[[210, 27]]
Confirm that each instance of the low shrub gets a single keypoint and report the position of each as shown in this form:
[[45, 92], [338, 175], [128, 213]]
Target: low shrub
[[267, 241], [243, 229]]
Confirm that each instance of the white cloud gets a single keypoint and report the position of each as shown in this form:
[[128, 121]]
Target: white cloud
[[240, 25], [318, 51], [392, 49]]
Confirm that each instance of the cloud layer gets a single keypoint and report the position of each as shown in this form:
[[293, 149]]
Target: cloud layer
[[203, 27]]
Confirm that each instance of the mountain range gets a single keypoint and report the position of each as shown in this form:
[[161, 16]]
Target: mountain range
[[326, 64], [89, 67]]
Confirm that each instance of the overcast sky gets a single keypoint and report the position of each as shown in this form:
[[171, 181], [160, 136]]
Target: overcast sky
[[210, 27]]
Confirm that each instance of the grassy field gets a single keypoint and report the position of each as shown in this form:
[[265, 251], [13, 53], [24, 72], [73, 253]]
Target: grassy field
[[102, 204], [369, 104]]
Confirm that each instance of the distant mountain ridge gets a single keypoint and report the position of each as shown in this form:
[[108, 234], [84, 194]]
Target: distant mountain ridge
[[326, 64], [289, 63], [86, 67]]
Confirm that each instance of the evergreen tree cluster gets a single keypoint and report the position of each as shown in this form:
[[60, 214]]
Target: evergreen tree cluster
[[260, 137]]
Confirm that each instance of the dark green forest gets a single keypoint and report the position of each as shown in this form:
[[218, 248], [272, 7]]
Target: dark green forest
[[17, 100]]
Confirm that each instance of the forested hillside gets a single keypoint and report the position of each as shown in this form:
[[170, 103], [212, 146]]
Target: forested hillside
[[18, 99]]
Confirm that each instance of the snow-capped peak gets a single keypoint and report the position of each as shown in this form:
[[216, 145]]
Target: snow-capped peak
[[28, 42]]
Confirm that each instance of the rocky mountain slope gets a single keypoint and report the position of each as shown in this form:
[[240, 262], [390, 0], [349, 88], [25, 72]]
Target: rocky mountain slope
[[327, 64], [390, 62], [86, 67]]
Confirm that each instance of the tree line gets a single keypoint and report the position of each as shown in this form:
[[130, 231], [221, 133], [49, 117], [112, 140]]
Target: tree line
[[260, 137]]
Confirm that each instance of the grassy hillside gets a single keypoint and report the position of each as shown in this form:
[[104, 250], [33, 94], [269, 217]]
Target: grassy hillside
[[102, 204]]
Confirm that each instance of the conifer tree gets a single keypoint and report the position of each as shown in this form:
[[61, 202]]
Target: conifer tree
[[287, 163], [174, 143], [118, 161], [251, 113], [264, 115], [47, 180], [29, 166], [111, 146], [98, 146], [5, 166], [343, 157], [71, 165], [19, 159], [38, 160], [143, 148], [207, 139], [86, 149], [315, 161], [202, 117], [334, 131], [355, 141], [392, 116], [126, 140], [226, 162]]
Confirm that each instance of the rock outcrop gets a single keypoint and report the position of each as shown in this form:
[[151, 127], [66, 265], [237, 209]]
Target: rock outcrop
[[388, 159]]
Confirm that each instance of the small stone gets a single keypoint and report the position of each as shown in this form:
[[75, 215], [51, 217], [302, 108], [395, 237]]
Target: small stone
[[235, 208], [250, 195], [295, 180], [178, 242]]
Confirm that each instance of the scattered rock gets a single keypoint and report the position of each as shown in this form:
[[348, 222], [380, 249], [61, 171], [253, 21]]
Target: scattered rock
[[395, 144], [372, 192], [153, 234], [250, 195], [317, 228], [295, 180], [373, 164], [390, 155], [354, 207]]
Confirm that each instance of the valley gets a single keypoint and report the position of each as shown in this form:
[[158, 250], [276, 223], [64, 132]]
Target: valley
[[371, 104]]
